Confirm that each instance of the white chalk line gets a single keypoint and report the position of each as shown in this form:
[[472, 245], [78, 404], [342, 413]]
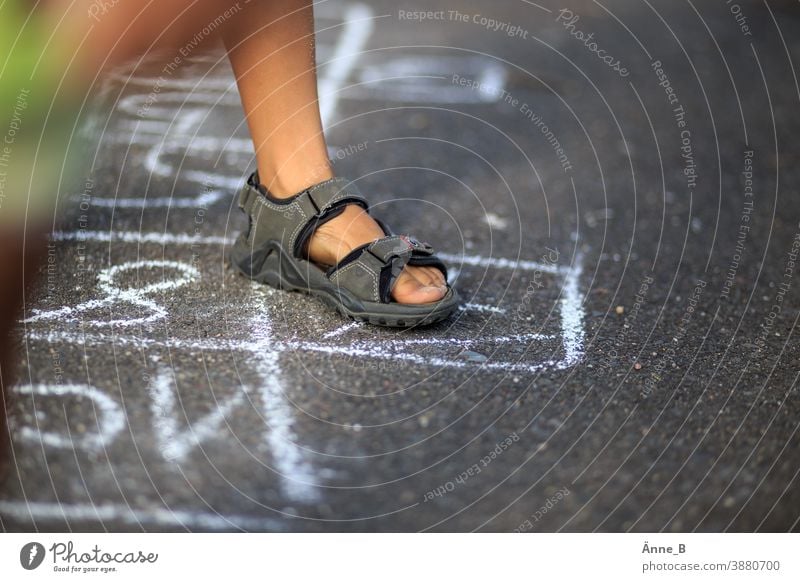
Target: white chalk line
[[495, 221], [482, 308], [427, 79], [164, 238], [120, 513], [203, 200], [572, 314], [428, 360], [357, 30], [299, 478], [154, 163], [452, 275], [371, 349], [343, 329], [464, 343]]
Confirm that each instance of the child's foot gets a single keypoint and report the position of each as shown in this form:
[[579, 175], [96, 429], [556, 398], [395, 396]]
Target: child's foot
[[332, 241]]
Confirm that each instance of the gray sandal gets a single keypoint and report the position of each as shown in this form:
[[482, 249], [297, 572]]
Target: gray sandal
[[272, 251]]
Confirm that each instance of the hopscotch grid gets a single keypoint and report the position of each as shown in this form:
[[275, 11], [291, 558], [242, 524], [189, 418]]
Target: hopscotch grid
[[571, 309]]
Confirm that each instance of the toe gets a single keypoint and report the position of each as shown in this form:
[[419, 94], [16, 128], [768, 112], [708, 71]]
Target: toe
[[427, 276], [408, 289], [436, 278]]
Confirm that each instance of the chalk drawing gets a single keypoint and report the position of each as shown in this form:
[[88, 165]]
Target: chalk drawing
[[132, 296], [107, 413], [176, 444]]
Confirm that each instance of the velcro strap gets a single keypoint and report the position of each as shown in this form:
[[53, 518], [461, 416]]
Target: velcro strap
[[384, 249], [329, 193], [314, 201], [392, 253]]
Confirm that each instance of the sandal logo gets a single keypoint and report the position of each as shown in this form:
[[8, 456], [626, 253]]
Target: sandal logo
[[31, 555]]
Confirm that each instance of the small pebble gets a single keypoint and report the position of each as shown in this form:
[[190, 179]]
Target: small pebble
[[619, 310]]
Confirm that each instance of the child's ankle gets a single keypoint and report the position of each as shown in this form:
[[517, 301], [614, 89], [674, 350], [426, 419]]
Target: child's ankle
[[290, 181]]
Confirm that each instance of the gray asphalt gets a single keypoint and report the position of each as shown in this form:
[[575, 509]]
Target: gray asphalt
[[623, 233]]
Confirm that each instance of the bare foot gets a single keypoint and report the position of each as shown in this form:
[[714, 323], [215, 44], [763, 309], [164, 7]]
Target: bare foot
[[354, 227]]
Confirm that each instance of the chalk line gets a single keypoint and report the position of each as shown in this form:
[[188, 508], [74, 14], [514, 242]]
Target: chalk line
[[358, 27], [373, 351], [572, 328], [343, 329], [165, 238], [370, 349], [428, 79], [203, 200], [495, 221], [183, 518], [482, 308], [299, 478]]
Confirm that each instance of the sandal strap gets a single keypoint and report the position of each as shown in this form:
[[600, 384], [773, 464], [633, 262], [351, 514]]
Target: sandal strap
[[370, 271], [294, 219], [423, 255]]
